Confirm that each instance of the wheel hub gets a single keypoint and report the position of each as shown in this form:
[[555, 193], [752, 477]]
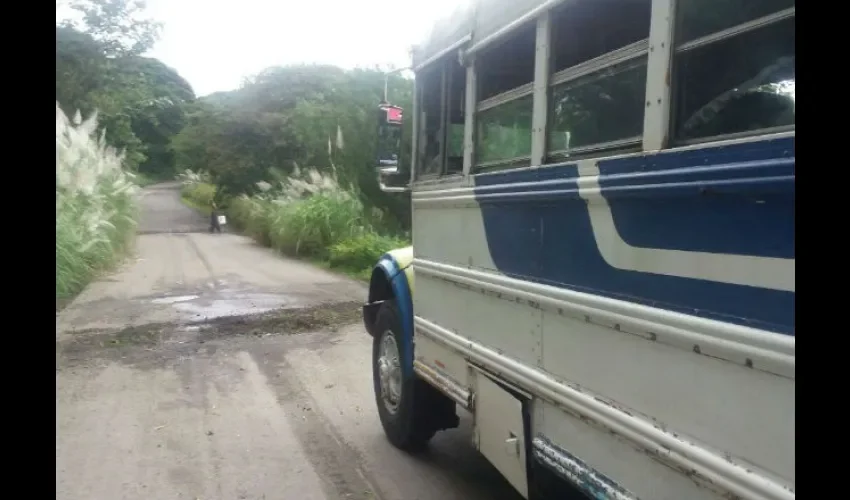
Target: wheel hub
[[389, 371]]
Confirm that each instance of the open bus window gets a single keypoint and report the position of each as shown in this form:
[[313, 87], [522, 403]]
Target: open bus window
[[599, 82], [456, 116], [587, 29], [431, 118], [508, 64], [443, 91], [738, 81], [698, 18], [505, 74]]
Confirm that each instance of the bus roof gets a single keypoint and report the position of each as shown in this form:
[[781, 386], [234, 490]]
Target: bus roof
[[477, 19]]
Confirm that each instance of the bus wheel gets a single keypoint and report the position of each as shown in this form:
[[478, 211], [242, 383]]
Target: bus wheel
[[402, 401]]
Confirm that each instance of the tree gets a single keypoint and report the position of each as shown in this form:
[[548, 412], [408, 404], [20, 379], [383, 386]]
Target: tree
[[99, 67], [119, 26], [314, 116], [236, 147]]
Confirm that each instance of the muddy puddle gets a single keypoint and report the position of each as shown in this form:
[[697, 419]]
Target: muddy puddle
[[280, 321], [220, 301], [162, 341]]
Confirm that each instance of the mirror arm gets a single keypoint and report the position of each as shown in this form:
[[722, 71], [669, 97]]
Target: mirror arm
[[392, 189], [390, 170]]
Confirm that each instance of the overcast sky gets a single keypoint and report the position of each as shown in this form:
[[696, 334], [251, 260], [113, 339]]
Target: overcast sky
[[215, 44]]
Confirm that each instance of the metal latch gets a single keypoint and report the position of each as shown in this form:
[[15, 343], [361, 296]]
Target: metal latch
[[512, 445]]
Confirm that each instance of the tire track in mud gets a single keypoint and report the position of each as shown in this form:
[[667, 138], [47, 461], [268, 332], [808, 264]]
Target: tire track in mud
[[337, 462], [203, 258]]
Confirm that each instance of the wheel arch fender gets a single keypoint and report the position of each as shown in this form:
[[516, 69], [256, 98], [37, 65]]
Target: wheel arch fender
[[392, 279]]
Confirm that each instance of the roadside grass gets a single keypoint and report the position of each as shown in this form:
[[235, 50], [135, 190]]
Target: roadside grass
[[96, 209], [307, 216]]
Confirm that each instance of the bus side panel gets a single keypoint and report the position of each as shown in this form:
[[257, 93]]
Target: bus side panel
[[444, 360], [628, 466], [508, 326], [450, 234], [744, 413], [707, 232], [741, 413]]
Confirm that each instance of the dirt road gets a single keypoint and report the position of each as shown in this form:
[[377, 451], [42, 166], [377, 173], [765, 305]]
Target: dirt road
[[210, 368]]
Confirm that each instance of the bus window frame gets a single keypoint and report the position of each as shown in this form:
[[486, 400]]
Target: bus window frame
[[422, 142], [629, 54], [706, 40], [444, 65], [513, 94], [658, 114], [621, 56]]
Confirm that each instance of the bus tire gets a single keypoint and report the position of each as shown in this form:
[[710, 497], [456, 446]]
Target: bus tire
[[402, 401]]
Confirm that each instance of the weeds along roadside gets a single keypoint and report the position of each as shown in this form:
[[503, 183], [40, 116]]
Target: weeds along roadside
[[308, 216], [96, 210]]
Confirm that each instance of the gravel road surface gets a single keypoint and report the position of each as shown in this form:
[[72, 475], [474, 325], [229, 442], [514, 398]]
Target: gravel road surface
[[208, 367]]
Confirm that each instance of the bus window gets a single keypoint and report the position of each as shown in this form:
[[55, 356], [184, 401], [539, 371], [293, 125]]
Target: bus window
[[587, 29], [505, 74], [508, 64], [504, 132], [431, 118], [698, 18], [443, 89], [734, 68], [456, 116], [599, 58]]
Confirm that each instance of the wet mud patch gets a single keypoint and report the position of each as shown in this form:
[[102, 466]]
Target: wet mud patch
[[160, 342], [283, 321]]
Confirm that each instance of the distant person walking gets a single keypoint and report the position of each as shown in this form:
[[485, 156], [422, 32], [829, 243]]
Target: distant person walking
[[215, 226]]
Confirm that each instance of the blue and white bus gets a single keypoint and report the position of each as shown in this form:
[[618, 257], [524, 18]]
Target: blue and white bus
[[603, 248]]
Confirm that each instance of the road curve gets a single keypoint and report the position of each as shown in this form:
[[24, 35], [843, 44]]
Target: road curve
[[210, 368]]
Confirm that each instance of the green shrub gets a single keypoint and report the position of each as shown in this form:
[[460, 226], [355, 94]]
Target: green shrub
[[360, 253], [252, 216], [309, 227], [95, 204]]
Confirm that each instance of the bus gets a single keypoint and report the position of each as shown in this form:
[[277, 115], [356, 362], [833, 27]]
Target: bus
[[602, 266]]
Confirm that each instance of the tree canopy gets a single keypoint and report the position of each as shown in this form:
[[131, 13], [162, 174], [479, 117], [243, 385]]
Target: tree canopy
[[314, 116], [99, 67]]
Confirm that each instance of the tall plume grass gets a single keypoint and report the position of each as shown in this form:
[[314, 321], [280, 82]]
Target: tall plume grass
[[302, 215], [189, 178], [95, 204]]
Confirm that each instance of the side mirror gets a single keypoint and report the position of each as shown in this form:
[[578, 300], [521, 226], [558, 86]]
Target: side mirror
[[390, 119]]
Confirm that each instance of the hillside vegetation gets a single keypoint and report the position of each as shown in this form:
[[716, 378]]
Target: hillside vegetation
[[133, 107], [289, 155], [290, 158]]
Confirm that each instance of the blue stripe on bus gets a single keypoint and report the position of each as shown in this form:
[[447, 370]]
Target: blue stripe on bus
[[736, 199], [541, 231]]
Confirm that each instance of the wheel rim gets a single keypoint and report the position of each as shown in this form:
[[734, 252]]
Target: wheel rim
[[389, 372]]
